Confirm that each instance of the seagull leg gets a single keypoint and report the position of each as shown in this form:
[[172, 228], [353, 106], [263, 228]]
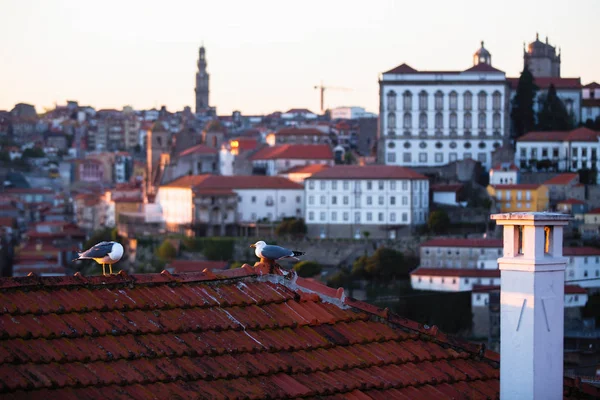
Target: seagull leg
[[110, 266], [103, 270]]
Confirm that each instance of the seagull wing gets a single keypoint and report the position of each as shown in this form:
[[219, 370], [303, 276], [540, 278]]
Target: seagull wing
[[272, 252], [97, 251]]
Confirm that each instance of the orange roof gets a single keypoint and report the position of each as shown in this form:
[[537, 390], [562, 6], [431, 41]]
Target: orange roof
[[367, 172], [305, 169], [198, 149], [205, 182], [562, 179], [245, 143], [505, 166], [592, 85], [517, 186], [577, 135], [294, 152], [300, 132]]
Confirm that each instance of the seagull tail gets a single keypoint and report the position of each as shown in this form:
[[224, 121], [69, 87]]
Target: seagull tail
[[297, 253]]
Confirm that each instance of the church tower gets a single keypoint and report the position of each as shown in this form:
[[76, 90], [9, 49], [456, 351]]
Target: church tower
[[542, 59], [201, 83]]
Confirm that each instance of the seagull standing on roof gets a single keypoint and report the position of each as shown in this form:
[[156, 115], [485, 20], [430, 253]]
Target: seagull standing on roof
[[270, 253], [103, 253]]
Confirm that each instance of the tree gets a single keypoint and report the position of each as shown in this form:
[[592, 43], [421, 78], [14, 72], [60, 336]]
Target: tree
[[166, 251], [101, 235], [359, 268], [553, 115], [35, 152], [291, 226], [522, 115], [307, 269], [438, 221], [386, 264]]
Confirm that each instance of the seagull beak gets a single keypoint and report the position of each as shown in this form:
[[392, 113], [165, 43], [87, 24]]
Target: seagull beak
[[252, 245]]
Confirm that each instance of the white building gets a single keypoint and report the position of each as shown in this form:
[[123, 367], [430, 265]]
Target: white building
[[569, 151], [583, 264], [447, 194], [351, 113], [504, 174], [349, 200], [590, 102], [193, 200], [431, 118], [275, 159]]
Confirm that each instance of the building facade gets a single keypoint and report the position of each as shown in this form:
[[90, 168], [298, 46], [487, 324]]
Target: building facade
[[519, 197], [347, 201], [273, 160], [432, 118], [542, 59], [590, 102]]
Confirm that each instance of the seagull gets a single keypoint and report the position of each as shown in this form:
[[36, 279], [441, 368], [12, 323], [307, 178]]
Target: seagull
[[103, 253], [269, 253]]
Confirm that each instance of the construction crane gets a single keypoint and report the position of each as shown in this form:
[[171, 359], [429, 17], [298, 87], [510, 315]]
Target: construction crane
[[322, 89]]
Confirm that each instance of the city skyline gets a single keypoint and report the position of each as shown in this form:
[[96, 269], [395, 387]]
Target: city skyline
[[265, 57]]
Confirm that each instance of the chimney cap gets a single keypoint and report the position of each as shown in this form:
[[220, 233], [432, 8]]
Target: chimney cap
[[533, 216]]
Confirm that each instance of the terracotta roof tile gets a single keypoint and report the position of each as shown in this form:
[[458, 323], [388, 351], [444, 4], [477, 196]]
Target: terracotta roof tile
[[563, 179], [305, 169], [199, 149], [517, 186], [367, 172], [482, 67], [577, 135], [592, 85], [505, 166], [238, 334], [295, 152]]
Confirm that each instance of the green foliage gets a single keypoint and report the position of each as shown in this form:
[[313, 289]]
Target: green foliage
[[359, 268], [307, 269], [166, 251], [4, 157], [218, 249], [366, 234], [588, 176], [522, 115], [101, 235], [192, 244], [338, 279], [438, 221], [386, 264], [553, 115], [349, 158], [36, 152], [291, 226]]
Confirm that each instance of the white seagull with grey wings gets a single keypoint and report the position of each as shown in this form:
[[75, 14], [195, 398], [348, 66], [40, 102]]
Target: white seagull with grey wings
[[103, 253], [271, 253]]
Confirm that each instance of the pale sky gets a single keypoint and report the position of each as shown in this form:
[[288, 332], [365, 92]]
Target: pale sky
[[265, 56]]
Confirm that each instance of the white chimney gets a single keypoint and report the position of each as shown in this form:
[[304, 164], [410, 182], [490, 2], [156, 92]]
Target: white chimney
[[532, 305]]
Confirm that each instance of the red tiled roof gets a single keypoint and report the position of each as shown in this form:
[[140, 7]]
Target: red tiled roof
[[204, 182], [232, 335], [407, 69], [245, 143], [517, 186], [367, 172], [592, 85], [7, 221], [501, 167], [305, 169], [181, 266], [545, 82], [577, 135], [594, 211], [294, 152], [300, 132], [28, 191], [482, 67], [299, 111], [562, 179], [198, 149], [213, 192], [571, 201], [581, 251], [458, 272], [402, 69], [448, 242], [447, 187]]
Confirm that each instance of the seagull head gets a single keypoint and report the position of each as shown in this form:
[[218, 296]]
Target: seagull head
[[258, 245]]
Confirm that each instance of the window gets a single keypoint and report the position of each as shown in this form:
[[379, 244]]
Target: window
[[323, 186], [468, 100], [404, 200], [391, 157], [369, 200], [439, 157], [481, 123], [404, 217], [282, 199], [369, 185], [311, 184], [482, 157], [423, 157], [392, 185], [585, 273], [334, 185], [422, 121], [453, 97], [357, 216], [584, 152], [481, 100], [391, 120], [496, 121], [380, 200], [369, 216], [311, 200], [253, 199], [585, 260], [423, 100], [496, 100], [393, 200], [407, 124], [468, 121], [528, 195], [406, 157], [322, 216], [544, 152], [253, 216], [334, 216], [393, 219], [323, 200], [333, 200], [298, 199], [346, 185], [311, 215], [453, 121], [345, 200], [345, 215], [574, 152], [407, 100], [439, 100], [439, 121], [466, 280], [380, 217], [391, 100], [380, 184]]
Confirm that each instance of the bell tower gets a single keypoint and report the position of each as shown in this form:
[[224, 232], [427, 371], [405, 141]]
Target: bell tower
[[202, 83]]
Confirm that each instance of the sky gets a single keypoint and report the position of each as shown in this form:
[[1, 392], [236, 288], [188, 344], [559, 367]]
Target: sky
[[266, 56]]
